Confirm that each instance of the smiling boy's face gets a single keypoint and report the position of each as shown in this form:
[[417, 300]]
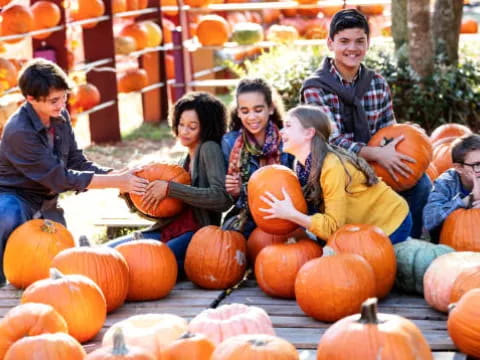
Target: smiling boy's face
[[349, 47]]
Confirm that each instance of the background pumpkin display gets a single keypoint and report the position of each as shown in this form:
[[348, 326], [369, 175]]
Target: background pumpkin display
[[46, 14], [460, 230], [449, 130], [132, 80], [213, 30], [84, 97]]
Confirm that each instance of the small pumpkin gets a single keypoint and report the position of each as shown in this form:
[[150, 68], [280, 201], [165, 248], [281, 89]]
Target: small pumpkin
[[87, 9], [29, 320], [139, 32], [468, 279], [247, 33], [371, 10], [154, 31], [84, 97], [460, 230], [449, 130], [189, 346], [283, 34], [8, 74], [469, 26], [46, 14], [413, 258], [215, 258], [213, 30], [132, 80], [372, 335], [229, 320], [16, 19]]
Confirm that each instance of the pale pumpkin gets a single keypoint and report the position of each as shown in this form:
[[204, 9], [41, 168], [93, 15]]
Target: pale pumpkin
[[467, 280]]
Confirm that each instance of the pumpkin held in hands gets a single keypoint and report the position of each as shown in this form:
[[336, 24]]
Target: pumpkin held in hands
[[168, 172]]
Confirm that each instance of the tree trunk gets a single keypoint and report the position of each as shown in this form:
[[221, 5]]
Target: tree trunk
[[446, 29], [420, 44], [399, 23]]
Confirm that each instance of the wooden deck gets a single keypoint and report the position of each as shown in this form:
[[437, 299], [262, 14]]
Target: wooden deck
[[290, 322]]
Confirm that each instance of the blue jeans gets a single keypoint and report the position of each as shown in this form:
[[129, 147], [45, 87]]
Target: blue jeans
[[402, 232], [416, 198], [178, 245], [14, 211]]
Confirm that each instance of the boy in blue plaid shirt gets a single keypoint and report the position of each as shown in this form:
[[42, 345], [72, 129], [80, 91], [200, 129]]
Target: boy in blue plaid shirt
[[359, 103], [458, 187]]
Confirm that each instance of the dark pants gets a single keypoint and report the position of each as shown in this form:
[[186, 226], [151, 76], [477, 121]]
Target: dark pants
[[416, 198]]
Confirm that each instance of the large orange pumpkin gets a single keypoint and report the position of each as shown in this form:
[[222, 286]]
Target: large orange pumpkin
[[331, 287], [415, 144], [373, 244], [274, 178], [84, 97], [46, 14], [147, 260], [215, 258], [213, 30], [132, 80], [77, 298], [29, 320], [58, 346], [167, 172], [189, 346], [467, 280], [449, 130], [139, 32], [16, 19], [372, 335], [460, 230], [31, 248], [277, 265]]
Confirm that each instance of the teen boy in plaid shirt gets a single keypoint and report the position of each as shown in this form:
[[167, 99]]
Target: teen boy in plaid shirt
[[359, 103]]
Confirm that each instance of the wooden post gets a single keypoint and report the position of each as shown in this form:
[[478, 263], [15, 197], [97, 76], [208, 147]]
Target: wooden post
[[179, 87]]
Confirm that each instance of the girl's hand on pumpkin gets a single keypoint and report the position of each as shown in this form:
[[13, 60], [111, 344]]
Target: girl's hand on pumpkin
[[156, 192], [130, 183], [279, 209], [233, 185], [391, 159]]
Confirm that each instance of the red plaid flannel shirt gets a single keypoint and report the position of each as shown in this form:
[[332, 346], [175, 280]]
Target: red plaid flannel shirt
[[377, 103]]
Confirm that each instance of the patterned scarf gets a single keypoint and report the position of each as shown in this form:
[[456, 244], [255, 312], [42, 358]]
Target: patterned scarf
[[303, 172]]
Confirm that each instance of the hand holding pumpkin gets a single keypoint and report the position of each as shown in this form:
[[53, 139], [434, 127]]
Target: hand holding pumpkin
[[233, 185], [391, 159], [130, 183], [156, 192], [279, 209]]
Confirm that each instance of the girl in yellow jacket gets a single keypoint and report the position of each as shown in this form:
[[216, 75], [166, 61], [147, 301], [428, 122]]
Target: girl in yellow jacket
[[339, 185]]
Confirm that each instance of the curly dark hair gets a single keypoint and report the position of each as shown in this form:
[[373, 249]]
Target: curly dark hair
[[272, 99], [211, 113], [348, 19]]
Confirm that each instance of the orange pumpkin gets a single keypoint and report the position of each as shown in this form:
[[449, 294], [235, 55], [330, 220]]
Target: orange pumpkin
[[469, 26], [442, 154], [119, 6], [285, 259], [449, 130], [31, 248], [415, 144], [139, 32], [316, 29], [154, 32], [271, 15], [167, 172], [213, 30], [274, 178], [4, 2], [8, 74], [323, 296], [77, 298], [16, 19], [46, 14], [373, 245], [189, 346], [372, 335], [58, 346], [371, 10], [215, 258], [468, 279], [432, 172], [132, 80], [29, 320], [460, 230], [255, 347], [464, 323], [84, 97], [88, 9], [149, 259]]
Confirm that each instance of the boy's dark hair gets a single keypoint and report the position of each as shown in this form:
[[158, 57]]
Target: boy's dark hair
[[462, 146], [248, 85], [40, 76], [211, 113], [348, 19]]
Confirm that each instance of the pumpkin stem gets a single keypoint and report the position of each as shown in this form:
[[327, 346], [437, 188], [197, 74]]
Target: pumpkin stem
[[119, 347], [291, 240], [186, 335], [258, 342], [48, 226], [451, 307], [137, 235], [369, 312], [55, 274], [83, 241], [328, 251], [237, 222]]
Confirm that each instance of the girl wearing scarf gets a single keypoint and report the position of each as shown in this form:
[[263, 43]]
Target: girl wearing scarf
[[341, 185]]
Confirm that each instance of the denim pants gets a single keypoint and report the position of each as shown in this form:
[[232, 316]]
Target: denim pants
[[416, 198], [14, 211], [403, 231], [178, 245]]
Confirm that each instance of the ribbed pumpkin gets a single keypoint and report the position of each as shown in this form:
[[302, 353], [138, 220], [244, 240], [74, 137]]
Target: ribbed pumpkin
[[168, 172], [464, 323], [415, 144], [84, 97], [120, 350], [16, 19], [189, 346], [449, 130], [442, 154], [139, 32], [441, 275], [213, 30], [151, 332], [413, 258], [216, 258], [467, 280], [460, 230], [255, 347], [432, 172], [372, 335], [277, 265], [29, 320], [104, 265], [274, 178], [132, 80], [31, 248], [46, 14], [229, 320], [147, 260], [331, 287], [58, 346], [77, 298], [373, 245]]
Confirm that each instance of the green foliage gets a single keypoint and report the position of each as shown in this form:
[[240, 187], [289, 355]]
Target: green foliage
[[148, 131]]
